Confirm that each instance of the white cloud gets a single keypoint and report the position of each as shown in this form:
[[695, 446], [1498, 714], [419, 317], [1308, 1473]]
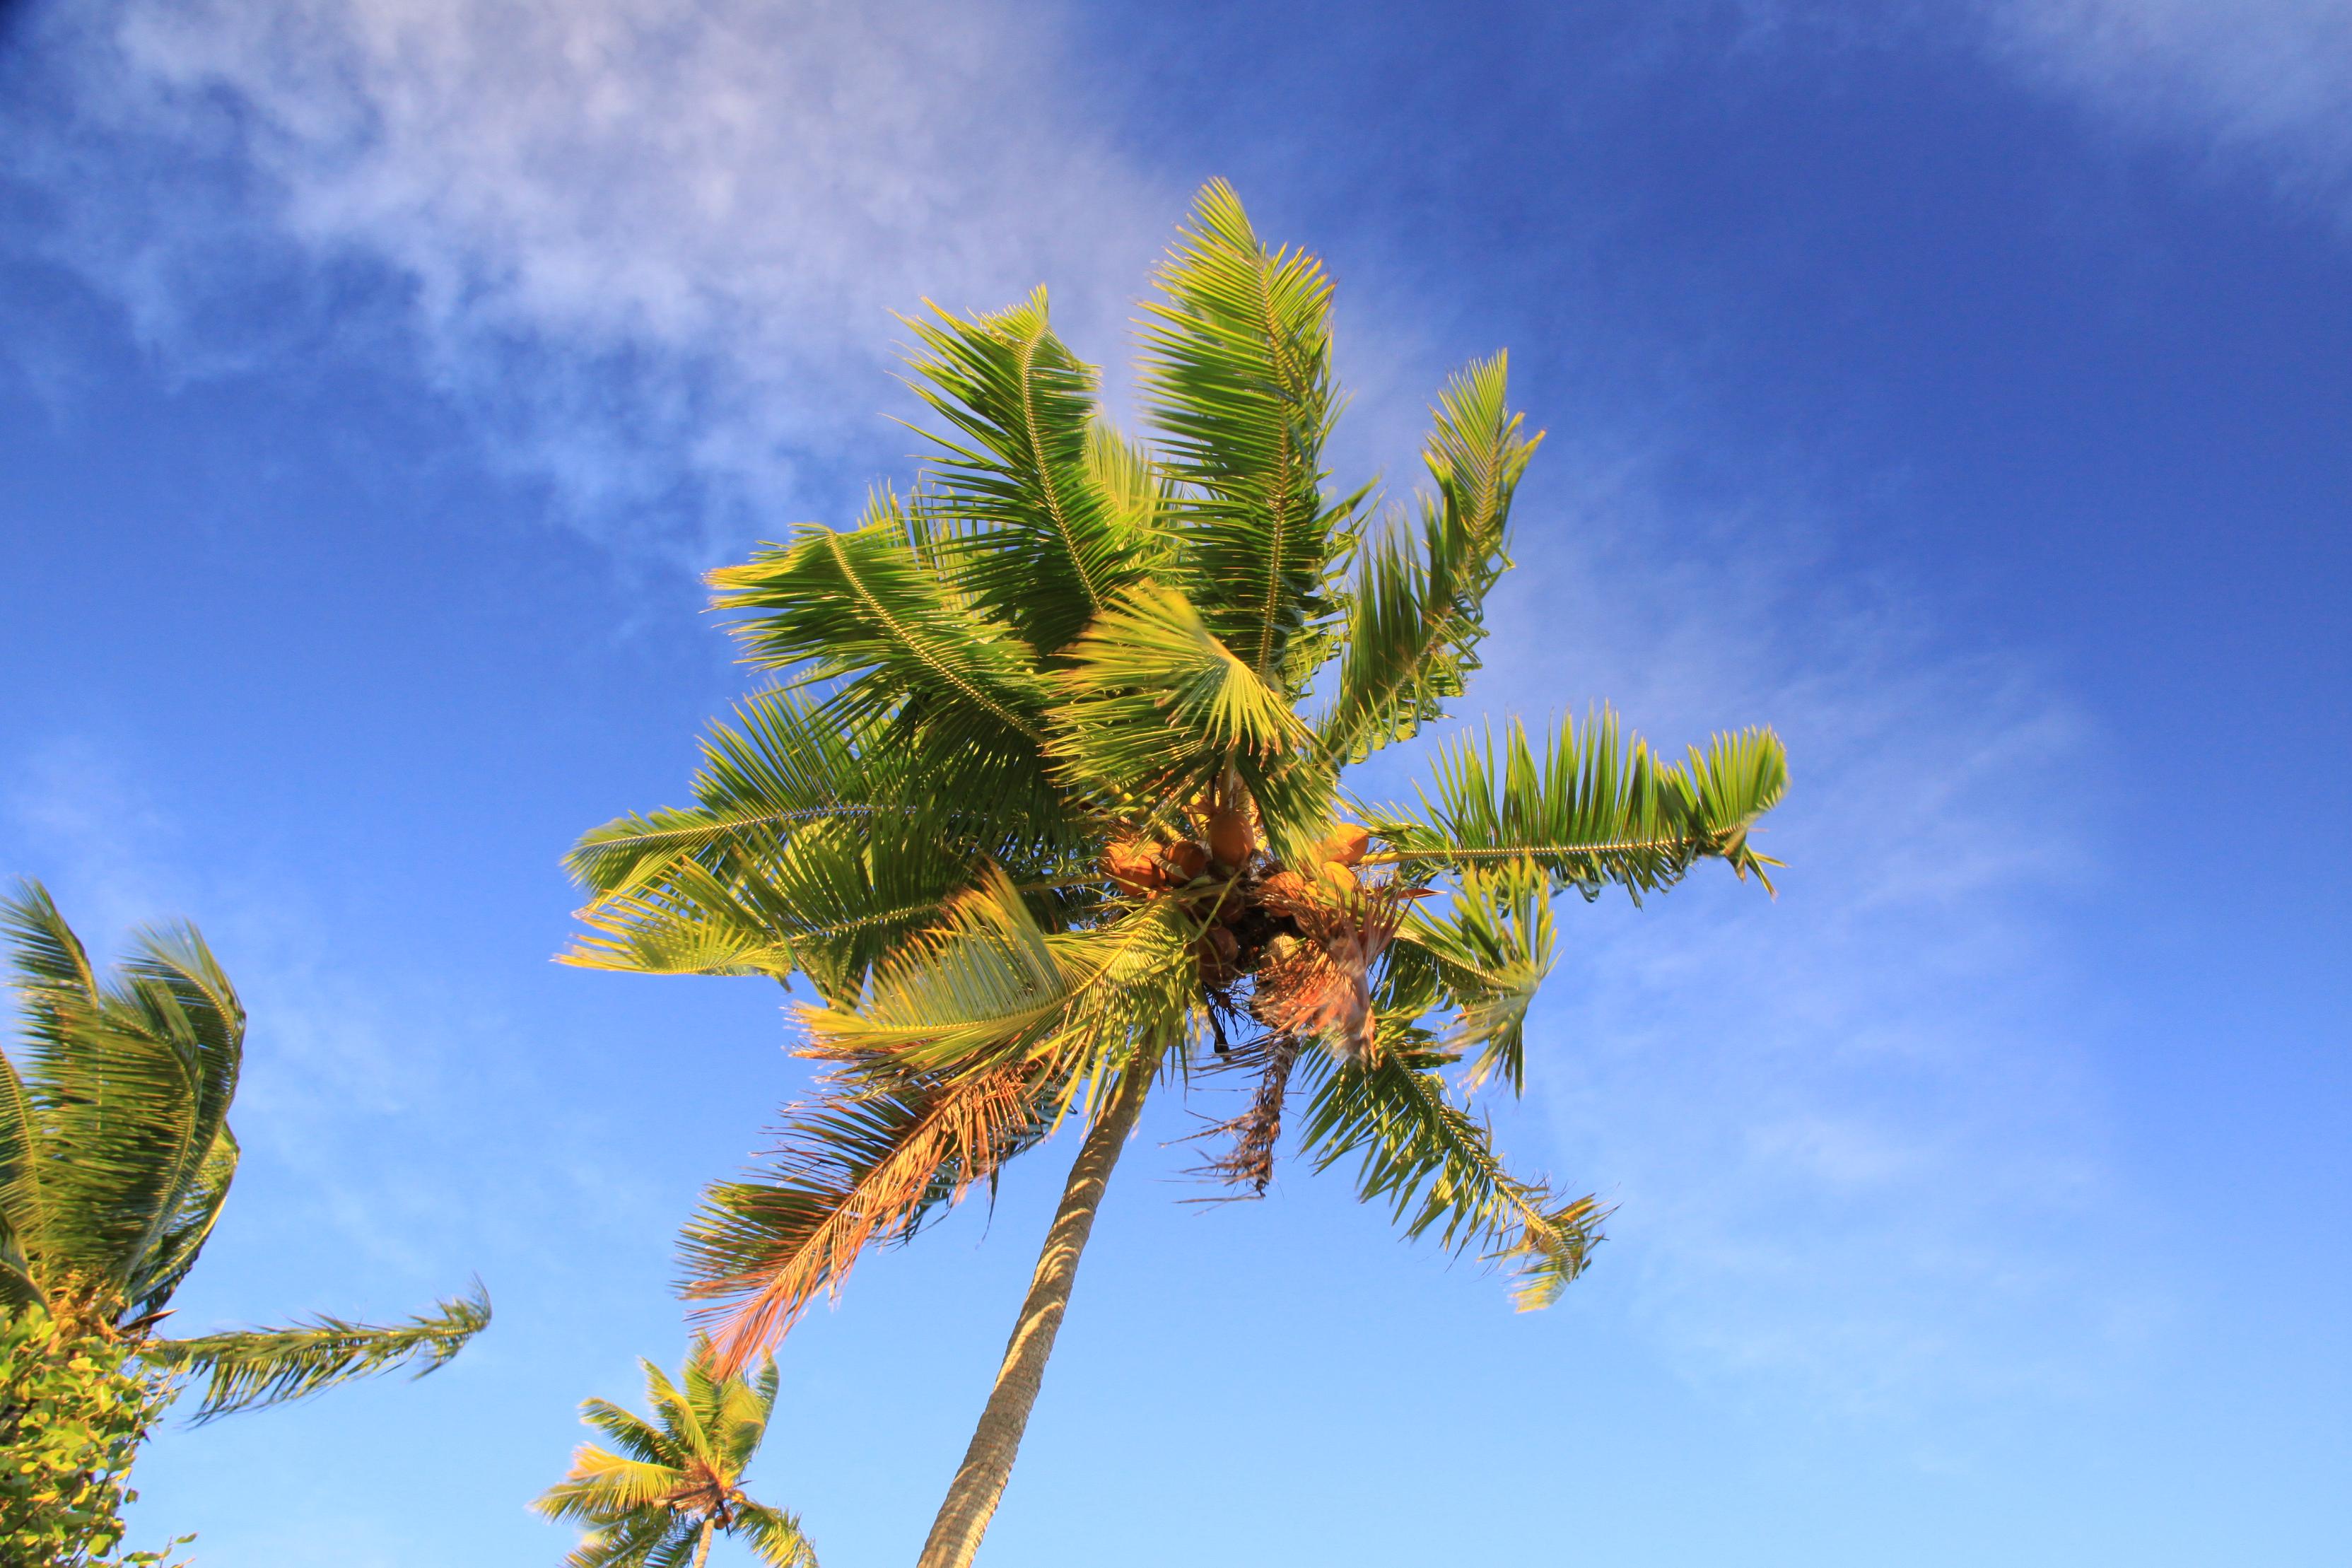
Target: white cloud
[[617, 234], [2266, 79]]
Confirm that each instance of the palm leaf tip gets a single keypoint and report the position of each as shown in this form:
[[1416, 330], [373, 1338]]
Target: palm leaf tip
[[247, 1369]]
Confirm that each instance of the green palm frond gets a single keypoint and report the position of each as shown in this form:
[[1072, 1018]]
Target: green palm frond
[[112, 1131], [603, 1483], [1045, 547], [775, 1536], [248, 1368], [1435, 1166], [679, 1478], [1237, 376], [869, 607], [1135, 490], [1486, 957], [833, 903], [166, 1263], [991, 987], [636, 1438], [781, 767], [1591, 811], [1416, 614], [1155, 708]]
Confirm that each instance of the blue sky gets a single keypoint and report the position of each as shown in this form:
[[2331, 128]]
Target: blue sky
[[1966, 390]]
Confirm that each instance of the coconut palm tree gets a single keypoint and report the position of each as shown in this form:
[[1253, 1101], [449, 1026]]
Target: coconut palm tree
[[116, 1157], [672, 1486], [1047, 806]]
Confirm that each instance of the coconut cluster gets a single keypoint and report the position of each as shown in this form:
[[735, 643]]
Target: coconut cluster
[[1256, 911]]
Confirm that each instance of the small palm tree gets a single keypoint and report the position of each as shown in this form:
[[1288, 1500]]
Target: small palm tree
[[1049, 807], [658, 1502], [116, 1157]]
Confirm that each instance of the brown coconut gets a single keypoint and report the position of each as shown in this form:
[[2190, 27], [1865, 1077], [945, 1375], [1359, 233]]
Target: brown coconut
[[1230, 838]]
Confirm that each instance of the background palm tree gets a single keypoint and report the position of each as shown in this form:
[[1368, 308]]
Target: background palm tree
[[1049, 804], [116, 1157], [658, 1502]]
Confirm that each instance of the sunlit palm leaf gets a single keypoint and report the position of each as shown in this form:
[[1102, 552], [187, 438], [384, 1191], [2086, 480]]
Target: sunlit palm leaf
[[1154, 708], [867, 606], [1486, 956], [248, 1368], [1435, 1166], [1591, 811], [863, 1163], [1416, 614], [1047, 548], [1238, 377]]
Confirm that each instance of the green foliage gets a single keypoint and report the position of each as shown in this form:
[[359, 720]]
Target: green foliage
[[73, 1410], [247, 1368], [1017, 707], [1435, 1166], [115, 1159], [1593, 811], [667, 1485]]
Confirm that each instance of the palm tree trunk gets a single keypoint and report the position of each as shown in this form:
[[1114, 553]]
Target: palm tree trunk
[[988, 1463], [702, 1547]]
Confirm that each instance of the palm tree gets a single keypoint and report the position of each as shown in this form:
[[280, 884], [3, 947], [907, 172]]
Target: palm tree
[[116, 1156], [671, 1487], [1047, 806]]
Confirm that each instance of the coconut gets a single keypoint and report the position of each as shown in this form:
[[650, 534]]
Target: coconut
[[1230, 838], [1186, 860], [1346, 847], [1135, 866]]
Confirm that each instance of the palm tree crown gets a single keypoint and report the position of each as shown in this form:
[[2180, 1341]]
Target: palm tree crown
[[116, 1157], [1048, 800], [676, 1480]]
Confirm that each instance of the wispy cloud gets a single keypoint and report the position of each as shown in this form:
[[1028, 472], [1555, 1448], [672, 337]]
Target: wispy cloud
[[643, 248], [1856, 1134], [2263, 81]]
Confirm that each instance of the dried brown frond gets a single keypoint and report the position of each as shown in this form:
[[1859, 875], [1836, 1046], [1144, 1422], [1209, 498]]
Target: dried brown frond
[[1249, 1162], [1324, 986], [860, 1163]]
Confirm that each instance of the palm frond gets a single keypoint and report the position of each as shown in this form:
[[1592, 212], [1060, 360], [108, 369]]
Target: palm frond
[[774, 1535], [166, 1263], [867, 606], [1237, 376], [1591, 811], [1436, 1168], [248, 1368], [630, 1433], [991, 987], [1487, 956], [114, 1122], [1155, 708], [603, 1484], [1137, 491], [863, 1163], [1416, 614], [1044, 548]]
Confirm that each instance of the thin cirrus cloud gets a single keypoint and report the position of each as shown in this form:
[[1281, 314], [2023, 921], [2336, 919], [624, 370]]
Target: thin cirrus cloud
[[637, 247], [645, 255], [2265, 82]]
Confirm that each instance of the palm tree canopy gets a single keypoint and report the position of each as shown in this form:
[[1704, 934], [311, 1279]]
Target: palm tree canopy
[[651, 1499], [1049, 791], [116, 1157]]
